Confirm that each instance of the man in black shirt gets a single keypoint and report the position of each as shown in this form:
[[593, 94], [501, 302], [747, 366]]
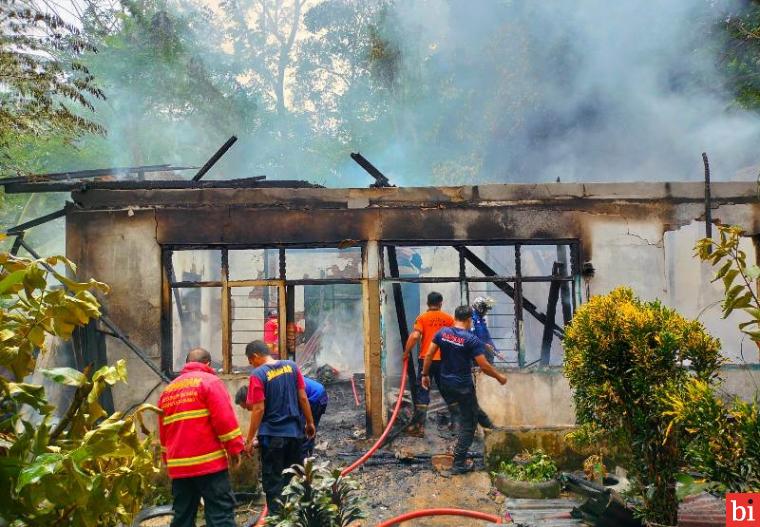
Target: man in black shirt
[[459, 348]]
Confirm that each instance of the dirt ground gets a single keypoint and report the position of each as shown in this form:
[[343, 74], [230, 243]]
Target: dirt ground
[[391, 487]]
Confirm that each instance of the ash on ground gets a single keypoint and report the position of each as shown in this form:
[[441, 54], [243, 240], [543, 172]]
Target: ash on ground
[[400, 476]]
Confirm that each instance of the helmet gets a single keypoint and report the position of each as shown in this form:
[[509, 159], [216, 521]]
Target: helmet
[[482, 304]]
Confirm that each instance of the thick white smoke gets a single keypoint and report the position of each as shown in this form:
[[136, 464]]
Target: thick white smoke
[[590, 90]]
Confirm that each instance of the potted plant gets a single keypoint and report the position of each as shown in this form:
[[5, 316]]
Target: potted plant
[[528, 475]]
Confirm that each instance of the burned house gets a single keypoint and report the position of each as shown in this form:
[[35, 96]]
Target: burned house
[[201, 263]]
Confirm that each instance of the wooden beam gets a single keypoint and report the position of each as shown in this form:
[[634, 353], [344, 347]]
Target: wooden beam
[[373, 367], [551, 315], [226, 316], [167, 342]]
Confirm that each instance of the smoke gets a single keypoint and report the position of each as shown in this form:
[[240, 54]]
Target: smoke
[[433, 92], [591, 90], [338, 341]]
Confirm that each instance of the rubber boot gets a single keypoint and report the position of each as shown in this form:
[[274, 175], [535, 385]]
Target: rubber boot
[[484, 420], [417, 428]]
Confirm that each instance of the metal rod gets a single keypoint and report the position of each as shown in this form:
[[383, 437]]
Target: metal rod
[[137, 351], [37, 221], [708, 199], [380, 179], [484, 268], [17, 243], [398, 300], [106, 321], [213, 159]]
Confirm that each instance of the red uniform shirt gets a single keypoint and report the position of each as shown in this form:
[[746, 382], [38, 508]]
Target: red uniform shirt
[[198, 427], [271, 331]]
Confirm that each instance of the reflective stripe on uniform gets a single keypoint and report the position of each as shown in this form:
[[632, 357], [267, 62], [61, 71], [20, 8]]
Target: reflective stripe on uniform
[[190, 414], [230, 435], [197, 460]]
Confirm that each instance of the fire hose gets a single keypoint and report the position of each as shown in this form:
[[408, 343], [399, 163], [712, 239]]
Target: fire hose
[[409, 515]]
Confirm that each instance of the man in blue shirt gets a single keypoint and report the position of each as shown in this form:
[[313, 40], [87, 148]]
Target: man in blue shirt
[[459, 348], [317, 396], [277, 398], [480, 307]]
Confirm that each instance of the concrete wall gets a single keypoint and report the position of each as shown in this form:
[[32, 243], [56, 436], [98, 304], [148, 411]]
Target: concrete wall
[[535, 398], [541, 398], [636, 235]]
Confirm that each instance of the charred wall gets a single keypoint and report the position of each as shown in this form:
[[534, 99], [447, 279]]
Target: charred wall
[[635, 234]]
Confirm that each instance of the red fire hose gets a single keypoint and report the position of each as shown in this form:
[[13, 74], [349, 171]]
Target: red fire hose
[[409, 515], [387, 430], [441, 512]]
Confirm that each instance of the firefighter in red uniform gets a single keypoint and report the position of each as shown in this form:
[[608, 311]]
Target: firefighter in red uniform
[[199, 433]]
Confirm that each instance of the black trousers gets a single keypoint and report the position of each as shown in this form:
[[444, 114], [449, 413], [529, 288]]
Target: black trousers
[[452, 405], [278, 454], [218, 500], [466, 415]]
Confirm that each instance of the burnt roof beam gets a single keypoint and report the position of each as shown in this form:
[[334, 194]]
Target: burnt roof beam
[[380, 180], [71, 186], [213, 159], [20, 228], [84, 174], [530, 307]]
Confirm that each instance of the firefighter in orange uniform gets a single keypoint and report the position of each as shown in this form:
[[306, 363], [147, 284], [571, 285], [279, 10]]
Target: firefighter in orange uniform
[[199, 436]]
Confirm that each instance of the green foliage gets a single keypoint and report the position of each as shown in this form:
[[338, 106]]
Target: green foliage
[[739, 279], [722, 439], [80, 467], [623, 357], [316, 497], [740, 52], [41, 76], [31, 310], [536, 467], [594, 468]]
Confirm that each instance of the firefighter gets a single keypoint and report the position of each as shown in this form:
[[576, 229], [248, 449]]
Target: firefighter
[[272, 334], [277, 398], [480, 308], [458, 349], [199, 436], [318, 399], [425, 328]]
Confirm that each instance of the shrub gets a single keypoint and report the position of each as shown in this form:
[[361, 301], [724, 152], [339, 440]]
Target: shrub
[[537, 466], [722, 439], [87, 468], [316, 497], [622, 357]]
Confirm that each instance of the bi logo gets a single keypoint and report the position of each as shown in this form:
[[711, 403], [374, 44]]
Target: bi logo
[[743, 510]]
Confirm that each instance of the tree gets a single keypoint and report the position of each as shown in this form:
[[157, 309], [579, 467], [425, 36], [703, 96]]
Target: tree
[[739, 278], [623, 358], [740, 52], [78, 467], [44, 86]]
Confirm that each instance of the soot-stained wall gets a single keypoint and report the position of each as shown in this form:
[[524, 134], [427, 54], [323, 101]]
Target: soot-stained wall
[[641, 235]]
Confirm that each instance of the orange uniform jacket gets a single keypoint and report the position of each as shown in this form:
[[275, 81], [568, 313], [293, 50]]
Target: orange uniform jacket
[[198, 427]]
